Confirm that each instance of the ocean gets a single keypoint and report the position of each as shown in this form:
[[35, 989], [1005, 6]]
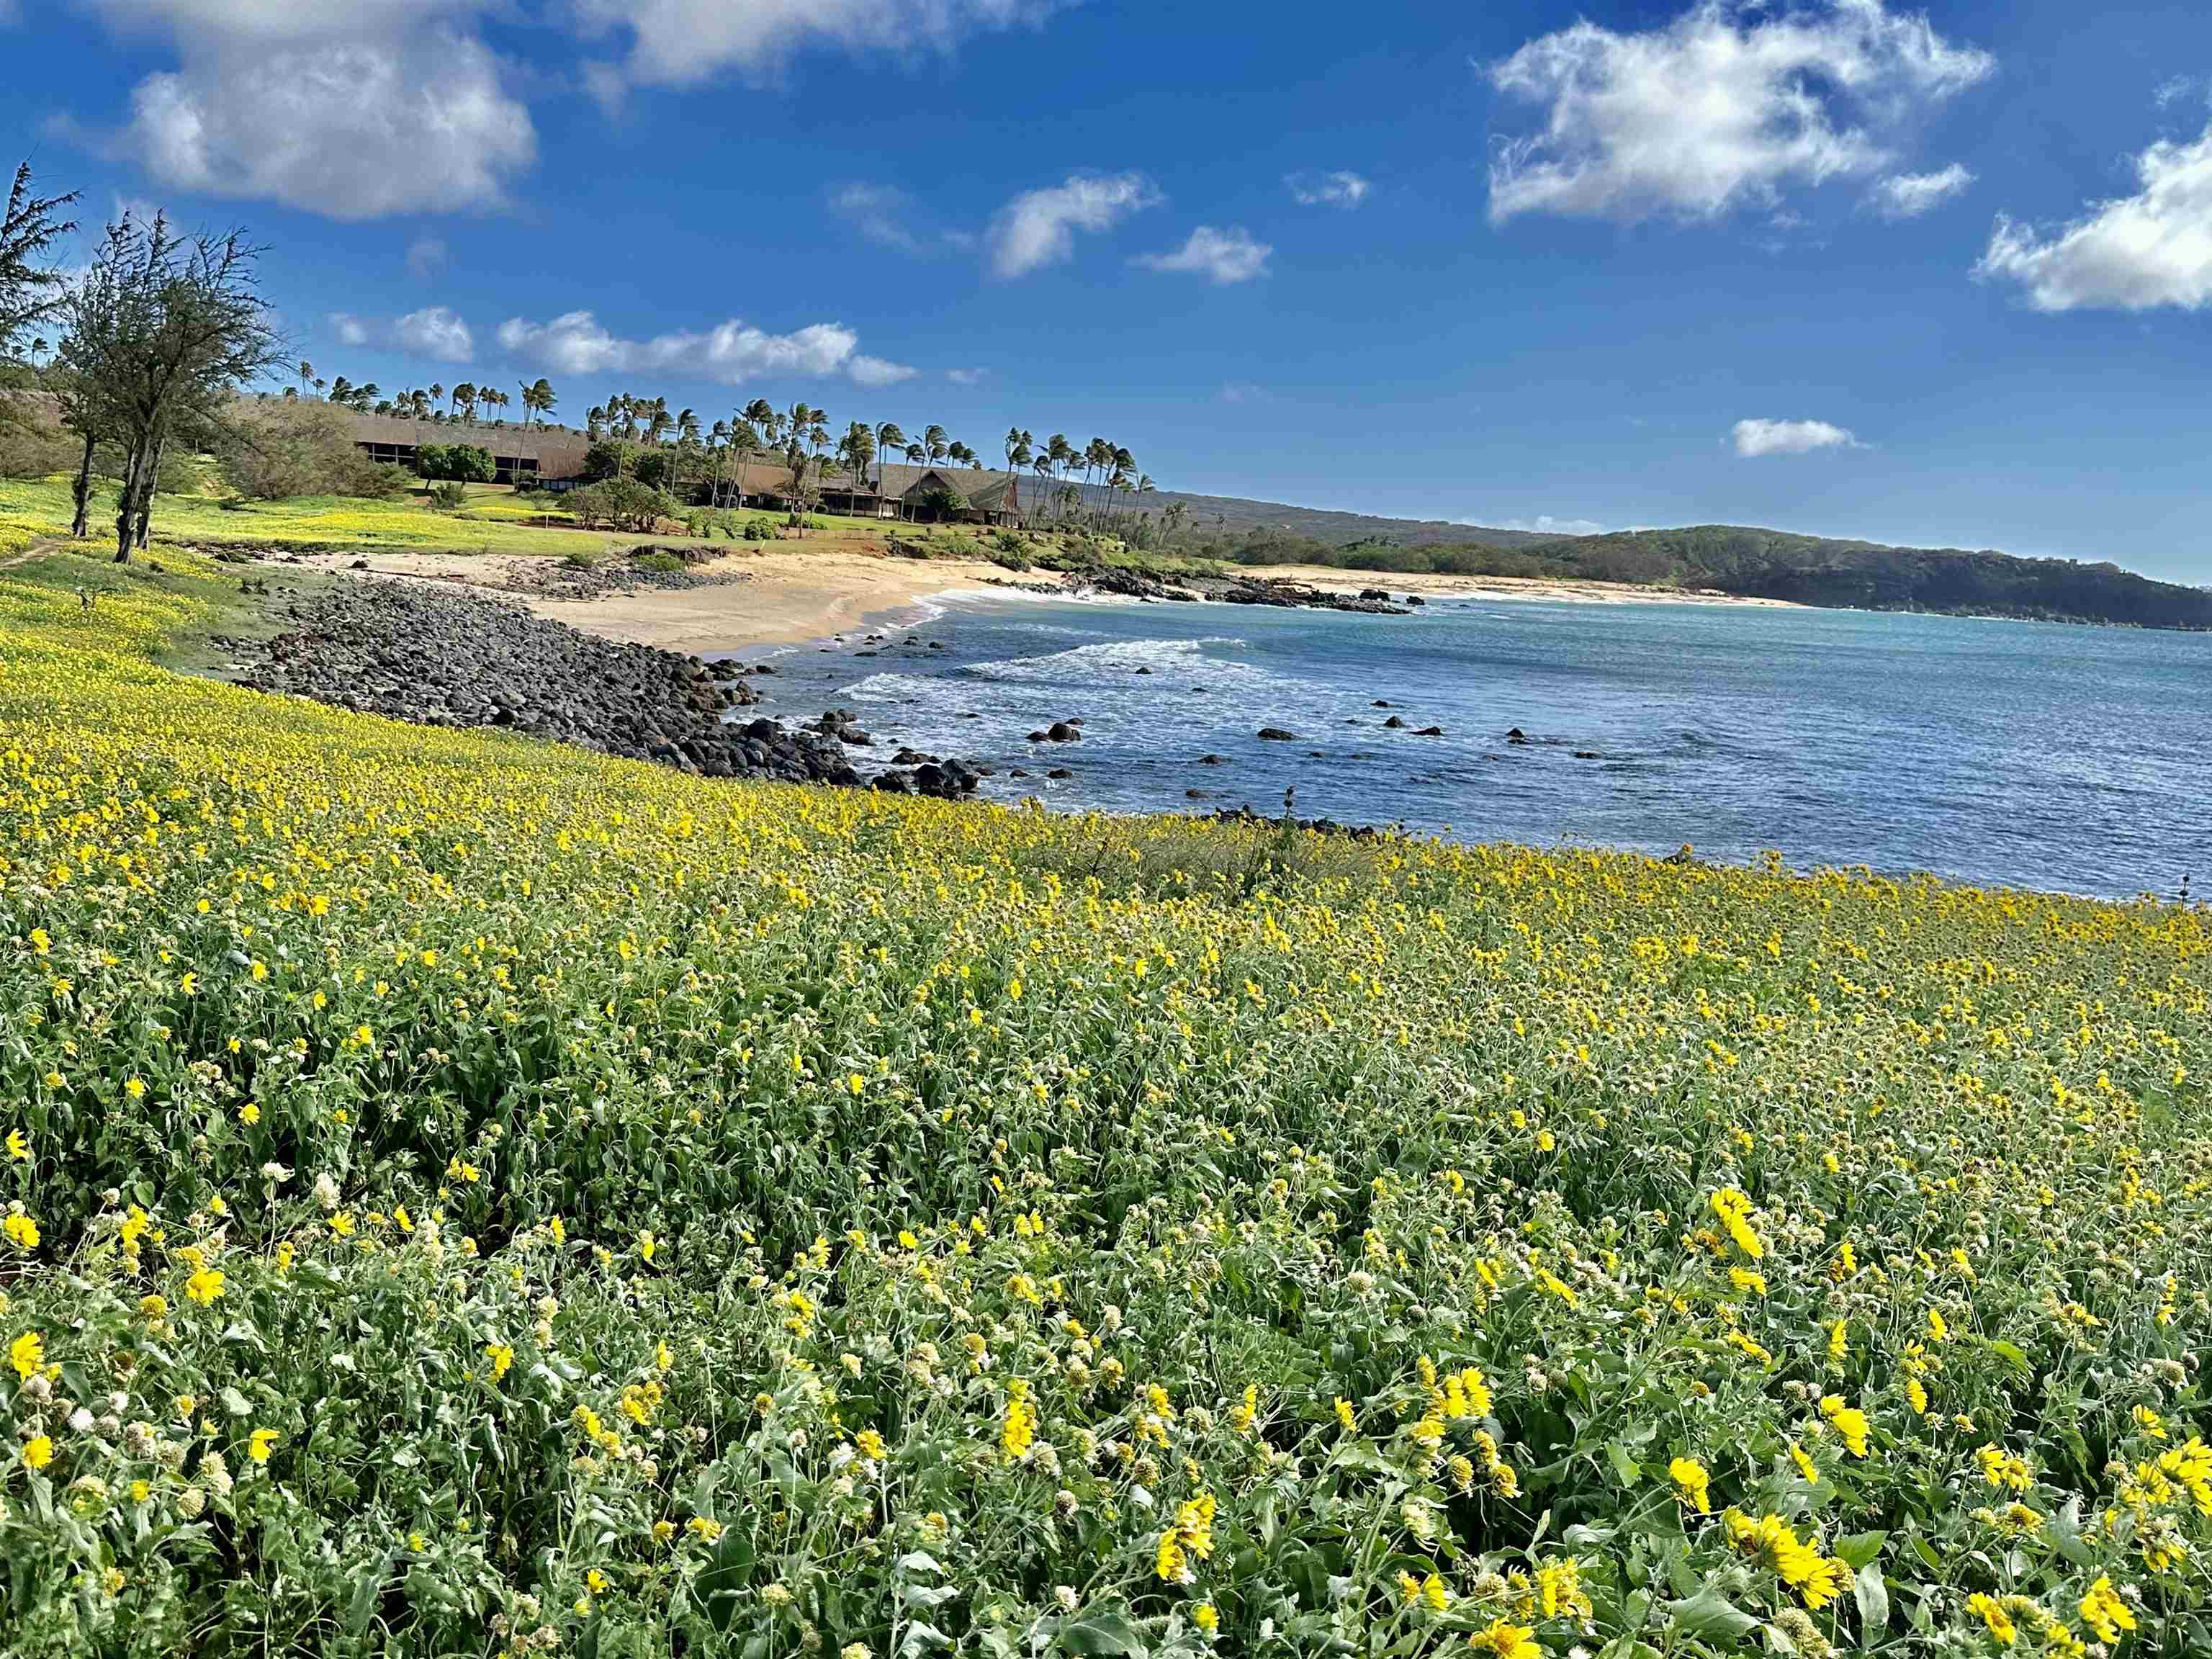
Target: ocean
[[2019, 754]]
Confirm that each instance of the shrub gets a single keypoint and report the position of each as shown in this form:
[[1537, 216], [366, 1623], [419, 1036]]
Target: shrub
[[620, 504], [281, 449], [447, 495], [33, 442], [459, 463], [667, 564]]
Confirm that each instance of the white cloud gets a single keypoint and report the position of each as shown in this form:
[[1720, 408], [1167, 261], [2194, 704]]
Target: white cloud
[[879, 213], [426, 257], [435, 332], [966, 376], [1339, 189], [353, 129], [1727, 104], [1038, 227], [682, 42], [733, 352], [875, 371], [1756, 438], [2131, 253], [269, 21], [1909, 195], [2173, 90], [1545, 524], [1243, 391], [1219, 256]]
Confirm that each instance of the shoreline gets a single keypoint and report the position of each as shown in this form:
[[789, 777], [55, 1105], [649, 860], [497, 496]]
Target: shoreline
[[784, 599]]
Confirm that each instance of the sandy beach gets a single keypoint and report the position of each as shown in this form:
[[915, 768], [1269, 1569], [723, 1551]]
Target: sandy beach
[[788, 594]]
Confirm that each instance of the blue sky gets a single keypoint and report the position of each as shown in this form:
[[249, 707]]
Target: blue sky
[[1933, 276]]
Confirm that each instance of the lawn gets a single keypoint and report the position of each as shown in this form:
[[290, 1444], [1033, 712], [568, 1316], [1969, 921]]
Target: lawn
[[474, 1196]]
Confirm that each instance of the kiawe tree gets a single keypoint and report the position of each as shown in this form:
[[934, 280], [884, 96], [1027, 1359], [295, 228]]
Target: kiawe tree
[[185, 332]]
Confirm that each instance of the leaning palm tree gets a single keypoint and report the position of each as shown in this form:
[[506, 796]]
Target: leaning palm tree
[[934, 441], [543, 398], [307, 375], [888, 438], [437, 392], [744, 444]]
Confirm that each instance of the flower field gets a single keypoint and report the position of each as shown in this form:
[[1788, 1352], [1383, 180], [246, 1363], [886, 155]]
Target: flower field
[[467, 1196]]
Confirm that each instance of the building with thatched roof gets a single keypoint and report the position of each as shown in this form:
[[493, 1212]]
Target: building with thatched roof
[[523, 454]]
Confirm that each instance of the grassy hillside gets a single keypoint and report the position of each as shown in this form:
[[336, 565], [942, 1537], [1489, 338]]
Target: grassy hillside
[[471, 1196], [1769, 564], [1230, 517]]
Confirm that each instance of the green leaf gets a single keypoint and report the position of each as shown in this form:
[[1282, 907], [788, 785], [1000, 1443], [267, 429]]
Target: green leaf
[[1624, 1463], [1873, 1597], [1105, 1629], [1860, 1547], [1711, 1616]]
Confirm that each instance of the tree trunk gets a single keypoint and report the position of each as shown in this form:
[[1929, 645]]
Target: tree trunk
[[152, 481], [126, 522], [81, 526]]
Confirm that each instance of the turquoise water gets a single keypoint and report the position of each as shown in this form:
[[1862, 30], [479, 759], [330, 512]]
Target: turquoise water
[[2019, 753]]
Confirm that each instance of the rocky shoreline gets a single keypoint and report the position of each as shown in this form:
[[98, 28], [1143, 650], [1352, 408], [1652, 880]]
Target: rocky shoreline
[[436, 656], [1277, 591]]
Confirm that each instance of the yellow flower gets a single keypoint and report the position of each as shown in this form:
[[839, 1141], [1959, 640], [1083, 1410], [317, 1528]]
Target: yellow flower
[[1190, 1540], [27, 1353], [1849, 1421], [1994, 1617], [1206, 1618], [1344, 1418], [1734, 1208], [38, 1452], [2105, 1612], [1691, 1483], [1018, 1431], [501, 1358], [260, 1443], [870, 1444], [1501, 1640], [249, 1114], [1559, 1592], [22, 1232], [206, 1285], [18, 1148]]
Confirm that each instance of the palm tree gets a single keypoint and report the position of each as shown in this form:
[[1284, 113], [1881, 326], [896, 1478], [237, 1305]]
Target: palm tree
[[307, 374], [543, 398], [934, 441], [764, 419], [595, 421], [464, 397], [888, 438], [744, 443], [854, 451], [657, 421], [362, 396], [319, 384], [340, 390], [437, 392]]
